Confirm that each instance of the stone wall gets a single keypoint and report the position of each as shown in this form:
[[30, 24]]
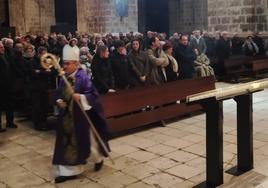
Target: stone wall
[[2, 11], [237, 15], [100, 16], [32, 15]]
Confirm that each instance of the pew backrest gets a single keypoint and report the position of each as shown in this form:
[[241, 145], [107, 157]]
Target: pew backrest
[[138, 107], [260, 65]]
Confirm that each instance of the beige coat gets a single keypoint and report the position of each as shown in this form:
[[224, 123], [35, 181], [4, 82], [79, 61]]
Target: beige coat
[[158, 61], [202, 66]]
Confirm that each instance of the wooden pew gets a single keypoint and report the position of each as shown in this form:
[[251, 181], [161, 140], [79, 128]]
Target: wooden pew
[[234, 68], [240, 66], [138, 107], [259, 66]]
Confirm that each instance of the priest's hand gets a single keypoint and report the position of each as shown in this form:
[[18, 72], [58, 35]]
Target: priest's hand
[[61, 103], [111, 90], [76, 97], [143, 78]]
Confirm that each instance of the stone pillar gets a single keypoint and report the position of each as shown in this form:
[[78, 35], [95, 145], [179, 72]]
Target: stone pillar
[[32, 15], [100, 16]]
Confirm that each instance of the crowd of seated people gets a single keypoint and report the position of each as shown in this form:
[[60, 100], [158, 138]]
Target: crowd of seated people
[[118, 61]]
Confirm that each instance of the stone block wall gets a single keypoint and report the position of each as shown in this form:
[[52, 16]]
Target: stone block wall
[[237, 15], [100, 16], [34, 16]]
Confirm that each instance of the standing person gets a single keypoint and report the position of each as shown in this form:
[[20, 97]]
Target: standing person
[[250, 47], [185, 55], [198, 42], [158, 61], [172, 70], [102, 73], [75, 142], [120, 65], [223, 52], [259, 42], [6, 85], [139, 65]]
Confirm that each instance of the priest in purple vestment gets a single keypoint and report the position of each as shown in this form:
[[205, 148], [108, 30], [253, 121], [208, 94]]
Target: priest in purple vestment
[[75, 142]]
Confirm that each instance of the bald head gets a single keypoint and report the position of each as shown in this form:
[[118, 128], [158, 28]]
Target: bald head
[[9, 43]]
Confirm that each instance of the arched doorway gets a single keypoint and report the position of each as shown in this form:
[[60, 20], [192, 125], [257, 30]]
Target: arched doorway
[[5, 14], [5, 29], [154, 15], [66, 16]]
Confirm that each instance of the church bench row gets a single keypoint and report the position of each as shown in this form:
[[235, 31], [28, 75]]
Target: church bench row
[[244, 66], [138, 107]]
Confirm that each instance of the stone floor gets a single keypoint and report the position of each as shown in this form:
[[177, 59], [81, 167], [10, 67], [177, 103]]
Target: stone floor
[[168, 157]]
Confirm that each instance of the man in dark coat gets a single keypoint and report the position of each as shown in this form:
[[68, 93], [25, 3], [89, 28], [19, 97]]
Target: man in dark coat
[[6, 85], [75, 142], [223, 52], [185, 56], [259, 41], [120, 65]]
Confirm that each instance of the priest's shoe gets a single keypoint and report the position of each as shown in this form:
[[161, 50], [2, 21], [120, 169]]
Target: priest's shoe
[[98, 166], [12, 125], [61, 179]]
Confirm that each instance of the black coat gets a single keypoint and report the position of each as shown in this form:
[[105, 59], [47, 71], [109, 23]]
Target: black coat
[[185, 56], [120, 68], [211, 43], [6, 82], [102, 74], [237, 44], [223, 50]]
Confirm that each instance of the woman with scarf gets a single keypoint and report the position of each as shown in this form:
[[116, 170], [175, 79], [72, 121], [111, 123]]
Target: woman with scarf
[[172, 70]]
